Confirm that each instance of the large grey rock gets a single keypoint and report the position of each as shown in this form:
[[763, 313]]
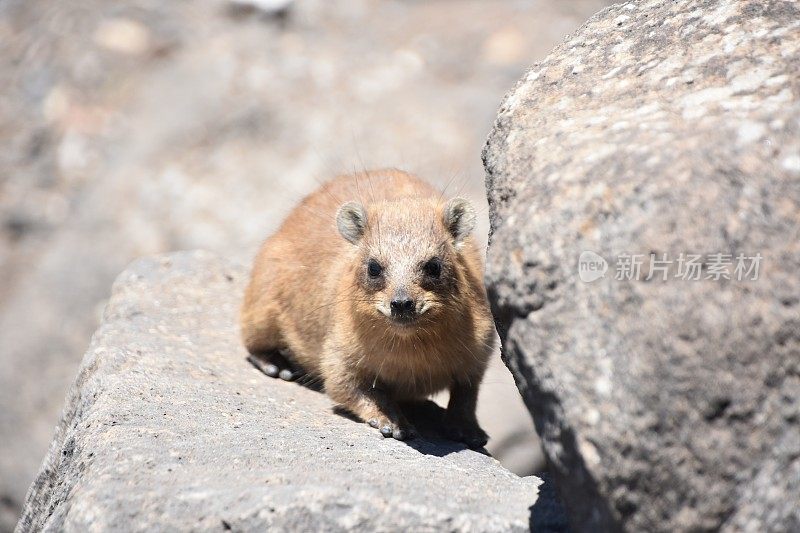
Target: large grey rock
[[167, 427], [659, 127]]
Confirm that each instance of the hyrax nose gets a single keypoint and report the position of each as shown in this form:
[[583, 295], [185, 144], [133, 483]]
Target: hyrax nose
[[402, 305]]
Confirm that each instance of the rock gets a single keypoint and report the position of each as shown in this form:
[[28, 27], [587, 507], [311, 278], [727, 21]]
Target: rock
[[658, 128], [168, 426]]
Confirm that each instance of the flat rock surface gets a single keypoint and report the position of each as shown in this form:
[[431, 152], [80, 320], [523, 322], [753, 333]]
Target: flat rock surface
[[659, 130], [168, 427]]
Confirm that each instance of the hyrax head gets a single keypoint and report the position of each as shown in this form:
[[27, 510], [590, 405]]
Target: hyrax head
[[407, 263]]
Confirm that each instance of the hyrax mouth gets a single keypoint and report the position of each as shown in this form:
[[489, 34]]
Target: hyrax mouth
[[398, 319], [403, 321]]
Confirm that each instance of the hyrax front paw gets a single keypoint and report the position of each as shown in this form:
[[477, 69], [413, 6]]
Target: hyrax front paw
[[275, 365], [470, 433], [397, 430]]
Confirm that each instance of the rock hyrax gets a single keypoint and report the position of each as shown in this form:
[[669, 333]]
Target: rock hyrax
[[373, 285]]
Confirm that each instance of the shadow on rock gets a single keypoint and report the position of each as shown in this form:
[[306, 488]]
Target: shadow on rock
[[548, 515], [428, 419], [426, 416]]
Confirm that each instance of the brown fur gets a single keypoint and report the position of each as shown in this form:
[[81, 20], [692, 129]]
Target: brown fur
[[311, 295]]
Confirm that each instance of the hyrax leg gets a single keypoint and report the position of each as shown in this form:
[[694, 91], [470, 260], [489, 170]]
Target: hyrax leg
[[259, 322], [372, 405], [262, 337], [461, 424]]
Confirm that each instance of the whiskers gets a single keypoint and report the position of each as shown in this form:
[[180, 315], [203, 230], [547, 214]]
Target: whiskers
[[378, 373]]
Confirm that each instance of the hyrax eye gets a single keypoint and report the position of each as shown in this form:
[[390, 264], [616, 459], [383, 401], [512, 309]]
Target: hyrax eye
[[433, 268], [374, 269]]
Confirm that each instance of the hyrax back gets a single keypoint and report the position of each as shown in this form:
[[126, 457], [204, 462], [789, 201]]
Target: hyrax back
[[373, 284]]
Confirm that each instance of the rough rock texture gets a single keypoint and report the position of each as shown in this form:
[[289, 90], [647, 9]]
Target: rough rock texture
[[167, 426], [664, 128], [136, 127]]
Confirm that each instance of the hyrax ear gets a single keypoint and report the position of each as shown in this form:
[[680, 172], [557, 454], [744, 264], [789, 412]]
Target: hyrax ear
[[459, 219], [351, 219]]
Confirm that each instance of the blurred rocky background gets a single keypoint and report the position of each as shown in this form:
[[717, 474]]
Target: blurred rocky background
[[136, 127]]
